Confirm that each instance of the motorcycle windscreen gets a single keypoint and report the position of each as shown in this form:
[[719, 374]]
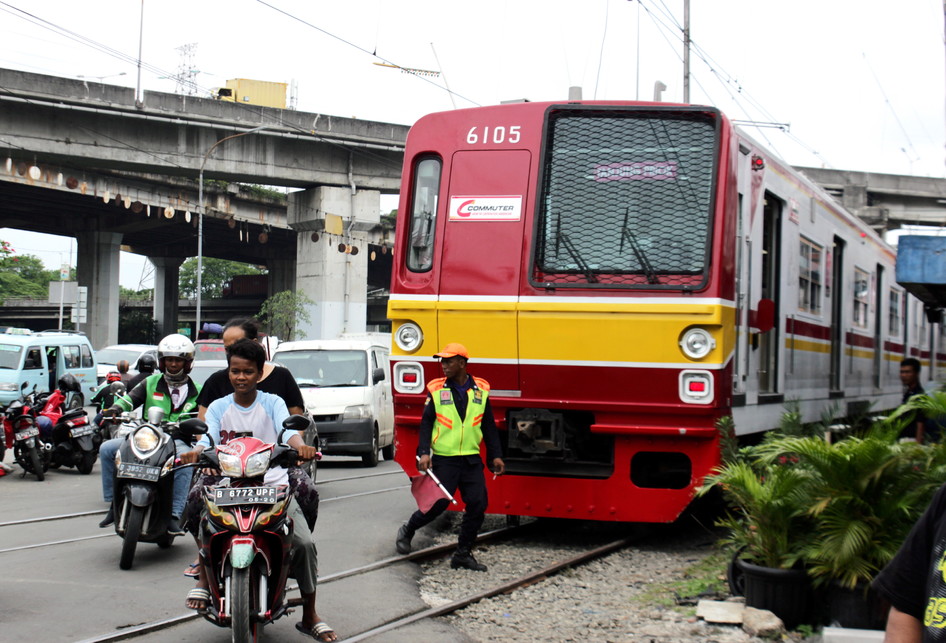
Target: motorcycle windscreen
[[481, 260]]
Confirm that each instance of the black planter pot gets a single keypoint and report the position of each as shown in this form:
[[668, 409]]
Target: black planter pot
[[785, 592], [861, 608]]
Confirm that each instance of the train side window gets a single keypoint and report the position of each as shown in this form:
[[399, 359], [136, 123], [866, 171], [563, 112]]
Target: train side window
[[861, 297], [810, 277], [423, 224], [894, 320]]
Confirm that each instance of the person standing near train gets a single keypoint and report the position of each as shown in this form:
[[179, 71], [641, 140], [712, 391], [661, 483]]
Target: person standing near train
[[910, 378], [457, 419]]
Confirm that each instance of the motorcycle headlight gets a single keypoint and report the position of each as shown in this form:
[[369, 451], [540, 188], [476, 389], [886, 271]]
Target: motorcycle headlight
[[257, 464], [230, 464], [146, 439], [359, 412]]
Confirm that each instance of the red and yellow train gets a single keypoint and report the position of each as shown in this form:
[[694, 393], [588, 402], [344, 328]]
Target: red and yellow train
[[624, 274]]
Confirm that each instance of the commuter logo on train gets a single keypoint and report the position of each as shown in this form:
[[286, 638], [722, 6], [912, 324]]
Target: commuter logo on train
[[485, 208]]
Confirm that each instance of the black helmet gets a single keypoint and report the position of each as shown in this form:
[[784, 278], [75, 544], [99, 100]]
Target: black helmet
[[147, 363], [68, 382]]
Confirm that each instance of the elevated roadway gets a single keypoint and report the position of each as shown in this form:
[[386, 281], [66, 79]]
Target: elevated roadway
[[86, 160]]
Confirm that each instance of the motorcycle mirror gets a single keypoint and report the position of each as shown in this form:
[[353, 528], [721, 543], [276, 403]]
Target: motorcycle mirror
[[24, 385], [193, 427], [296, 423]]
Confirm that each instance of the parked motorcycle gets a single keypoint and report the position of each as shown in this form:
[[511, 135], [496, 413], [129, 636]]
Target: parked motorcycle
[[245, 534], [22, 434], [75, 442], [144, 480]]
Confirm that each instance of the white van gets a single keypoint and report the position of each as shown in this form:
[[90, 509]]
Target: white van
[[346, 384], [40, 359]]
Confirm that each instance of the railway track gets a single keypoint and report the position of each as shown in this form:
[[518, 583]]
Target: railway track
[[435, 551], [99, 512]]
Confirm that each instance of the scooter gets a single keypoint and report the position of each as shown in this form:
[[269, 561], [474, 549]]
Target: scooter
[[144, 480], [75, 442], [245, 534], [22, 434]]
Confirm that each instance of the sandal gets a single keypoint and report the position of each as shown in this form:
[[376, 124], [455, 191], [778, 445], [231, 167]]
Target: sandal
[[199, 594], [319, 631], [193, 570]]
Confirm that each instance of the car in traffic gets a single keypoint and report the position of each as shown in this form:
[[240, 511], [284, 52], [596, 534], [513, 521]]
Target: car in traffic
[[107, 358], [202, 369], [209, 349], [346, 386]]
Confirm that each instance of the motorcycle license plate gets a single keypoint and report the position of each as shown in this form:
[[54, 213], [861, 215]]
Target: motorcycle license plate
[[27, 433], [228, 496], [81, 431], [139, 471]]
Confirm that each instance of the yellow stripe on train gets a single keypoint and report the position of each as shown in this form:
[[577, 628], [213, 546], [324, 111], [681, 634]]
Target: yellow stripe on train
[[620, 331]]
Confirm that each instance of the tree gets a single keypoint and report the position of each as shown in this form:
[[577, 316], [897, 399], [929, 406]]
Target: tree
[[136, 327], [23, 275], [215, 274], [282, 313]]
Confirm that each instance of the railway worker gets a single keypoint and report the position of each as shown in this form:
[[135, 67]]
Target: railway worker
[[910, 378], [457, 418], [171, 389], [914, 581]]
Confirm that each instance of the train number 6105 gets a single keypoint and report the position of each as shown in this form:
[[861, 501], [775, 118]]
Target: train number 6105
[[500, 135]]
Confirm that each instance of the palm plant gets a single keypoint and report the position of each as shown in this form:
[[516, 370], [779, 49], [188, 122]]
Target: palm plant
[[865, 493]]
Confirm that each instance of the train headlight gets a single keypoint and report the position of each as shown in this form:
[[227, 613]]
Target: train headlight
[[697, 343], [408, 337]]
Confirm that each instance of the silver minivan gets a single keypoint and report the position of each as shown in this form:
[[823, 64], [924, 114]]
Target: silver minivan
[[40, 359]]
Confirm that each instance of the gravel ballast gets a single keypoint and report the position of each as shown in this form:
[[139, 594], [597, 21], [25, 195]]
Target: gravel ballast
[[628, 596]]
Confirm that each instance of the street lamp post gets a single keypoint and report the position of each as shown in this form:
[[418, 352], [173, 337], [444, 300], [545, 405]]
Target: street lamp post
[[200, 213]]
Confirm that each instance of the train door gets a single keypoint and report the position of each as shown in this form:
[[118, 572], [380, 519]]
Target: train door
[[481, 259], [878, 325], [837, 308], [740, 358], [771, 274]]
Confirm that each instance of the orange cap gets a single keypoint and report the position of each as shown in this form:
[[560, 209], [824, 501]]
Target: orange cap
[[453, 349]]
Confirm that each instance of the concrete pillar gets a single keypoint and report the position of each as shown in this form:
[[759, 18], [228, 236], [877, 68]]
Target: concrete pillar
[[282, 275], [167, 271], [98, 269], [335, 281]]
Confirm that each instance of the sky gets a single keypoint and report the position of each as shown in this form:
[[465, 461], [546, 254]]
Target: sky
[[857, 84]]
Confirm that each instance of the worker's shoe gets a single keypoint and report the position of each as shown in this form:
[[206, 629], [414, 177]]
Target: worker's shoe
[[403, 542], [108, 519], [464, 558]]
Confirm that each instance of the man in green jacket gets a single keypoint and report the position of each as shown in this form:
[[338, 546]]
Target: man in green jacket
[[170, 389]]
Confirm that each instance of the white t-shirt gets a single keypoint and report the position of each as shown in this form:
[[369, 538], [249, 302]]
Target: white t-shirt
[[263, 419]]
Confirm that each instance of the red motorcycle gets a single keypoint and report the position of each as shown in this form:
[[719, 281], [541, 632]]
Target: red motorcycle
[[245, 534], [74, 442]]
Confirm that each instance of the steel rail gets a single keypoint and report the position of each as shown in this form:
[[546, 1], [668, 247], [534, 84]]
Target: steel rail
[[428, 552]]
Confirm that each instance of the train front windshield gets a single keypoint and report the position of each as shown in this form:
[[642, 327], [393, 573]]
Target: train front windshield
[[627, 199]]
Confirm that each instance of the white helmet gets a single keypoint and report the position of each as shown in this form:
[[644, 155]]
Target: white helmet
[[176, 346]]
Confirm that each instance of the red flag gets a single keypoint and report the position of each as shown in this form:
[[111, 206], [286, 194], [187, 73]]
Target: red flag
[[426, 492]]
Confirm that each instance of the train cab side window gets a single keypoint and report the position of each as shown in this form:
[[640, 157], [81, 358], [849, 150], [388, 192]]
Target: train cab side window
[[810, 277], [423, 222], [861, 297]]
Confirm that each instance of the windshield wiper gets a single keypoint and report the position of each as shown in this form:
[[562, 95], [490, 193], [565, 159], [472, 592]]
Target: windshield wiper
[[562, 238], [638, 251]]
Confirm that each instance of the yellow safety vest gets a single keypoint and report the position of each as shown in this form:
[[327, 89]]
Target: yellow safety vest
[[451, 435]]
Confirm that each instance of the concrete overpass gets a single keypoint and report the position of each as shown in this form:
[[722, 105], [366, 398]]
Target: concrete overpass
[[85, 160]]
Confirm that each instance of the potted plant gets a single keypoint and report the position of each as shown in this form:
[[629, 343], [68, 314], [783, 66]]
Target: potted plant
[[864, 493], [769, 527]]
